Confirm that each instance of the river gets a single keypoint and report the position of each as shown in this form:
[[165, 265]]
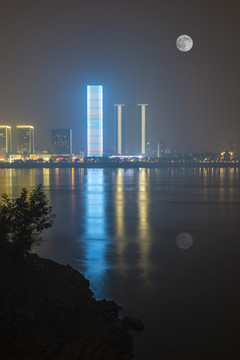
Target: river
[[119, 228]]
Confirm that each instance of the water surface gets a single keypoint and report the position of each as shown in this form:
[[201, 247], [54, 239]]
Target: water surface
[[119, 228]]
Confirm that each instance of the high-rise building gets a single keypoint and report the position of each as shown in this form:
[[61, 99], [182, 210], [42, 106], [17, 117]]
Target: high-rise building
[[94, 120], [61, 140], [142, 128], [5, 139], [25, 139], [119, 129], [160, 149]]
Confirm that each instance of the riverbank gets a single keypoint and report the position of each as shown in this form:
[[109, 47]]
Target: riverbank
[[49, 312], [121, 165]]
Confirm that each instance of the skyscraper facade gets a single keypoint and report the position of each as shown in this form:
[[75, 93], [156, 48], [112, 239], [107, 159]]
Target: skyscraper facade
[[119, 129], [61, 141], [5, 139], [25, 139], [142, 128], [94, 120]]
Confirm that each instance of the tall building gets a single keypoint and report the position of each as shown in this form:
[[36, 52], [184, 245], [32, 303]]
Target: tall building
[[142, 133], [94, 120], [61, 140], [160, 149], [25, 139], [5, 139], [119, 129]]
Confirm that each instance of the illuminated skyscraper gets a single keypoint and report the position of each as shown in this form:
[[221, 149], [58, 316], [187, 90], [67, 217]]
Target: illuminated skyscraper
[[61, 141], [119, 129], [5, 139], [25, 139], [94, 120], [142, 128]]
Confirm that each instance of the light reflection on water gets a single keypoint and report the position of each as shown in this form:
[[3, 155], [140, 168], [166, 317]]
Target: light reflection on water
[[95, 235], [119, 227]]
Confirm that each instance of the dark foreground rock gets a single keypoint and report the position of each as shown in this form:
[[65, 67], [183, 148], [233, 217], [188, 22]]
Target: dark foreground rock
[[133, 323], [47, 311]]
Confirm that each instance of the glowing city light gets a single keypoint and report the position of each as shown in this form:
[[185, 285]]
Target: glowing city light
[[94, 120]]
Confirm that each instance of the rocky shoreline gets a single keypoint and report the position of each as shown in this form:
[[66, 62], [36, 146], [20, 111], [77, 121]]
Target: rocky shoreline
[[49, 312]]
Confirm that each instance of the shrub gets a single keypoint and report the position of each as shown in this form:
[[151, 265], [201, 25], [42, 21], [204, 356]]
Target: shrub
[[24, 218]]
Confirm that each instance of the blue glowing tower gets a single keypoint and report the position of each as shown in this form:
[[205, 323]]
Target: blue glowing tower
[[94, 120]]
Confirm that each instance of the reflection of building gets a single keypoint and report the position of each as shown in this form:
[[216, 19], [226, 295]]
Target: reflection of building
[[119, 129], [119, 201], [5, 139], [25, 139], [142, 128], [94, 120], [143, 220], [95, 238], [160, 149], [61, 141]]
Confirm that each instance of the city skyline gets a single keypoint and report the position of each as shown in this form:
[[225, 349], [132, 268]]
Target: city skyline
[[61, 140], [46, 65], [119, 136]]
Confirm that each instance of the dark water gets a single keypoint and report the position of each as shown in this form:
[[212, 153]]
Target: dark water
[[119, 228]]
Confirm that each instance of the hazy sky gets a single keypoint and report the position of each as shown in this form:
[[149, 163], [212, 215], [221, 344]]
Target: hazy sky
[[50, 51]]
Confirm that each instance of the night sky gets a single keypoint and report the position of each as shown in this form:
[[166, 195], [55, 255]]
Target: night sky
[[51, 50]]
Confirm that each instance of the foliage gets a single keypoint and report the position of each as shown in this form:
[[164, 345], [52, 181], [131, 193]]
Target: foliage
[[24, 218]]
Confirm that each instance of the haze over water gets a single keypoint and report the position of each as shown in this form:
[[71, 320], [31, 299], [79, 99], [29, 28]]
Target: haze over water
[[119, 227]]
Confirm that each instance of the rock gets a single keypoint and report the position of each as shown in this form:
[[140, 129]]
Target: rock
[[49, 312], [133, 323]]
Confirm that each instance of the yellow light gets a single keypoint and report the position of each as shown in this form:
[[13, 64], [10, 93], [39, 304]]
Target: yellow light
[[143, 129], [5, 126], [119, 130], [25, 126]]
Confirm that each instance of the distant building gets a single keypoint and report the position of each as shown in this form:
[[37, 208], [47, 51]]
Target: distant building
[[25, 139], [94, 120], [227, 155], [5, 139], [161, 149], [61, 140], [142, 128], [119, 129], [175, 152]]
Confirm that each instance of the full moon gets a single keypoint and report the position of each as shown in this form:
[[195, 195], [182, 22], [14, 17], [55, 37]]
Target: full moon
[[184, 240], [184, 43]]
